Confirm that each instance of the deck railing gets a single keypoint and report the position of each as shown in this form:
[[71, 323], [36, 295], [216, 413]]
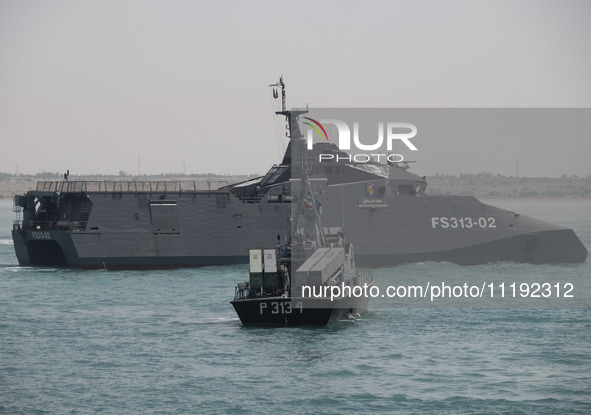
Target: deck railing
[[135, 186]]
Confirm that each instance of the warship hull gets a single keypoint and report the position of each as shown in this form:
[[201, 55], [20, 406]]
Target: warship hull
[[71, 225]]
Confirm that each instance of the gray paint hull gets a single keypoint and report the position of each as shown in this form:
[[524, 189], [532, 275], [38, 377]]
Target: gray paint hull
[[122, 232]]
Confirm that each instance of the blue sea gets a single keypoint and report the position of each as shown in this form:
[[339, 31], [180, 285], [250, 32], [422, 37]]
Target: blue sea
[[168, 342]]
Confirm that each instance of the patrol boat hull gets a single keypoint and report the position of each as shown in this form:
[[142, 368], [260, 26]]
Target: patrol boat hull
[[297, 311]]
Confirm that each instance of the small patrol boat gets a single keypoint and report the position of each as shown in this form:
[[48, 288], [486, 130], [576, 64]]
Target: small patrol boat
[[324, 289], [308, 279]]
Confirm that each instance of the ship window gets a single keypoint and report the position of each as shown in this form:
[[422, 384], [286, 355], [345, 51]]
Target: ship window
[[273, 175], [269, 175]]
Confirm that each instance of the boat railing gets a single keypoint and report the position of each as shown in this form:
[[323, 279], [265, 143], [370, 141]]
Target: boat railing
[[134, 186]]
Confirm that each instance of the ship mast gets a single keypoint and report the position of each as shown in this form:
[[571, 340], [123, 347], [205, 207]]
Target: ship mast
[[281, 85]]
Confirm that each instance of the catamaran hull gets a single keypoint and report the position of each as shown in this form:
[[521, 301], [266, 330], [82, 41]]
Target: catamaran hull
[[196, 230]]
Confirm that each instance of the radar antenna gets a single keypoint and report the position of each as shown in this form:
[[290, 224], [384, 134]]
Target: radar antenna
[[281, 85]]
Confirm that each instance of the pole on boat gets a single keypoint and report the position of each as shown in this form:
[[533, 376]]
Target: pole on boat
[[281, 85]]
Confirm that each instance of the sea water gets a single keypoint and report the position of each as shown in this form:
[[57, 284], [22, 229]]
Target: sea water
[[161, 342]]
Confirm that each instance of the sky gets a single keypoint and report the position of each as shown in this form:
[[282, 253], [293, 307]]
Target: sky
[[157, 87]]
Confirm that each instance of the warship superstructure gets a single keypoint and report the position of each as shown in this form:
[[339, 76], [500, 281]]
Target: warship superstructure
[[387, 216]]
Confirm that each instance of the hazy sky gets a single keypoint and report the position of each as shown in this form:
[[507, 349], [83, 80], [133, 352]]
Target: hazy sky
[[91, 86]]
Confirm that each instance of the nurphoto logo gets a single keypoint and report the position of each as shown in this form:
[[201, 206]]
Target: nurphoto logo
[[387, 133]]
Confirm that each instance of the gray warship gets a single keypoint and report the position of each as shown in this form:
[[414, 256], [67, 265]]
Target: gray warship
[[159, 224]]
